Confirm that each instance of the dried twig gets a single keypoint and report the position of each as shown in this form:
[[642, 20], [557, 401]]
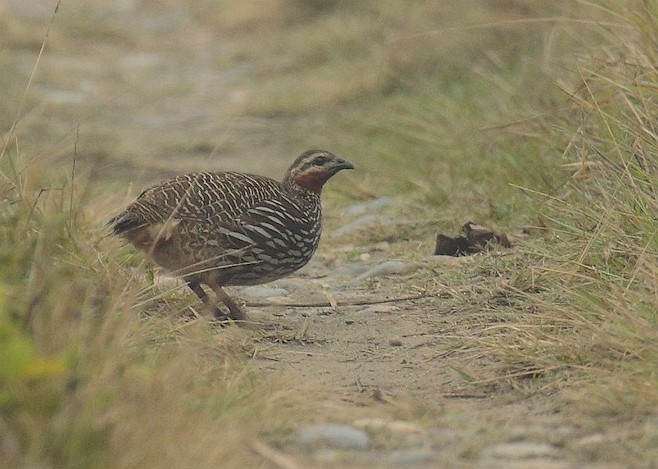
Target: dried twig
[[328, 304]]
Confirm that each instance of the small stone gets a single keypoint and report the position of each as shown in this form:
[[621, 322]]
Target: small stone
[[522, 450], [393, 426], [535, 463], [413, 457], [291, 284], [592, 442], [596, 438], [333, 435], [349, 271], [555, 435], [382, 246], [339, 458], [386, 268], [395, 343]]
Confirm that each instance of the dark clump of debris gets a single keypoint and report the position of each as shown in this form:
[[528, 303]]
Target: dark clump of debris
[[475, 238]]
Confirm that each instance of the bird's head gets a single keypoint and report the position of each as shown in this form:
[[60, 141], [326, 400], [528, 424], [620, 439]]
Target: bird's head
[[313, 168]]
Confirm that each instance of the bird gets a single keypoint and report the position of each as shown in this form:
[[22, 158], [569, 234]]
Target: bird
[[226, 228]]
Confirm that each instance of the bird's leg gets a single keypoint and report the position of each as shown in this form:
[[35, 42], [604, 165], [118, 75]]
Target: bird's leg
[[235, 312], [201, 293]]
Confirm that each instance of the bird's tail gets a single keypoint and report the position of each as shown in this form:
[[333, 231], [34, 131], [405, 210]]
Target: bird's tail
[[123, 223]]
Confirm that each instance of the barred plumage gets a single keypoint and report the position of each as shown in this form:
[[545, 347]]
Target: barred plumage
[[227, 228]]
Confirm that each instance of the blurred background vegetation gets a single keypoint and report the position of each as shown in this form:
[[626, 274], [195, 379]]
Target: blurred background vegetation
[[508, 112]]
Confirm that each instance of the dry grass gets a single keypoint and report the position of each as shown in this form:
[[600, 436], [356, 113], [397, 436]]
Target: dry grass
[[453, 116], [581, 308], [362, 51]]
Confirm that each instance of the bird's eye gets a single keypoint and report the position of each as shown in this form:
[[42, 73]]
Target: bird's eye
[[320, 160]]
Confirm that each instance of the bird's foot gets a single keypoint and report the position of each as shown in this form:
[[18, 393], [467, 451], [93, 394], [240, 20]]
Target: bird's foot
[[220, 317]]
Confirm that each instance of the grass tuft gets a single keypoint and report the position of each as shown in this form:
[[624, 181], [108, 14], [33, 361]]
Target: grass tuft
[[593, 317]]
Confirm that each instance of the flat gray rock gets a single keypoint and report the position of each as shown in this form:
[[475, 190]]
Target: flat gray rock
[[412, 458], [264, 292], [333, 435], [522, 450], [349, 270], [386, 268]]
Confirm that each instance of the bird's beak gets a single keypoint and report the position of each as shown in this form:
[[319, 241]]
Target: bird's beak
[[342, 164]]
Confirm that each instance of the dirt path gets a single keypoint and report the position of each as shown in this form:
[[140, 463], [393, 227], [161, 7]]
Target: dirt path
[[143, 91], [410, 352], [150, 102]]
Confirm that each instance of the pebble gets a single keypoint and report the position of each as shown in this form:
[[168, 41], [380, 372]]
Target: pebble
[[555, 435], [293, 284], [344, 458], [385, 268], [381, 246], [333, 435], [595, 439], [263, 292], [412, 457], [591, 444], [361, 223], [537, 463], [522, 450], [393, 426], [349, 271]]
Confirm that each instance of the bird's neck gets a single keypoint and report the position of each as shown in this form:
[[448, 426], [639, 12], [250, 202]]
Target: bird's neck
[[309, 183]]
